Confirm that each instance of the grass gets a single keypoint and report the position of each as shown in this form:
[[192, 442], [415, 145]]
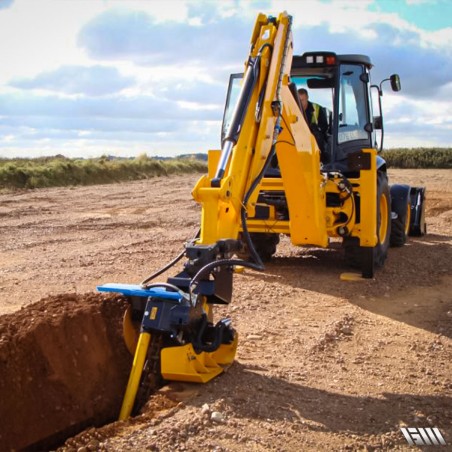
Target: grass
[[60, 171], [418, 158]]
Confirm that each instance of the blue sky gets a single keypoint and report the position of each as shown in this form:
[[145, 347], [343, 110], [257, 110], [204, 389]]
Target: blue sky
[[126, 77], [426, 14]]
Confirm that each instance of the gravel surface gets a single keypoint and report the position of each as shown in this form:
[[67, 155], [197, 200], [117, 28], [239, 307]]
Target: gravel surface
[[322, 364]]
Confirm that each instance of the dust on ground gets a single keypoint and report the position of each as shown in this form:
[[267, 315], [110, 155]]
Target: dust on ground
[[322, 364]]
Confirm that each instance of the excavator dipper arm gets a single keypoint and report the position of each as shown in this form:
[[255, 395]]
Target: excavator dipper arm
[[178, 339]]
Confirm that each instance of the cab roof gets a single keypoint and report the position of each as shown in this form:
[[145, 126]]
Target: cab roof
[[312, 59]]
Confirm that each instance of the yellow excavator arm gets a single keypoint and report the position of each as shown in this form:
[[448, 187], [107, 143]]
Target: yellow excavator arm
[[177, 339], [267, 123], [266, 180]]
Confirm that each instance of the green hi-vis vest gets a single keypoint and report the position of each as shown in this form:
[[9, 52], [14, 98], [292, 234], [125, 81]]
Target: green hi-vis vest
[[315, 114]]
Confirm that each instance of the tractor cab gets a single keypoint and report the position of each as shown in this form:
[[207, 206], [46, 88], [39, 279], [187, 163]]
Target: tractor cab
[[340, 85]]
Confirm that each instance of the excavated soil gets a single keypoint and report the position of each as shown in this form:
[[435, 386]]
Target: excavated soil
[[63, 368], [322, 364]]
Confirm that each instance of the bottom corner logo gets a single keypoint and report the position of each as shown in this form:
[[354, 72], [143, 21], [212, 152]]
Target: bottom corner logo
[[423, 436]]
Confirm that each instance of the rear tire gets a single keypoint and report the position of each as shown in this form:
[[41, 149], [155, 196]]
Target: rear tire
[[354, 254], [366, 258], [265, 245], [400, 227], [418, 226], [383, 219], [401, 205]]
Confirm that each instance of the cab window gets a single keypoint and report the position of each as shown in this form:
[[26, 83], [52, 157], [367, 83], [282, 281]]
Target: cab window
[[235, 83], [352, 105]]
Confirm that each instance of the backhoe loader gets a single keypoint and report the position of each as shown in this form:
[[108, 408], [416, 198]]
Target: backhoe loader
[[270, 178]]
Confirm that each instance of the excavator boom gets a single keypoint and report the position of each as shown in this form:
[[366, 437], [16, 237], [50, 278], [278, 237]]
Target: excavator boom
[[268, 178], [177, 315]]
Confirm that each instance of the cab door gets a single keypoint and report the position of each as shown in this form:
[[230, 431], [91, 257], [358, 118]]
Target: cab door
[[353, 124]]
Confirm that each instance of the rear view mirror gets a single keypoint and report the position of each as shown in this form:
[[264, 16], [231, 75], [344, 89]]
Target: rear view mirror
[[395, 82], [378, 122]]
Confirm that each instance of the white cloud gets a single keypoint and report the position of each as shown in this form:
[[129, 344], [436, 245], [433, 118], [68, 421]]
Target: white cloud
[[409, 124], [92, 81], [441, 39], [39, 36], [152, 75]]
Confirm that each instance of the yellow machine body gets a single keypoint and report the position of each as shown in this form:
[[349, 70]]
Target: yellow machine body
[[240, 197], [305, 186]]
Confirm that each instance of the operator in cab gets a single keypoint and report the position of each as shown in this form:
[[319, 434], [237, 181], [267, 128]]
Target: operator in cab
[[317, 119]]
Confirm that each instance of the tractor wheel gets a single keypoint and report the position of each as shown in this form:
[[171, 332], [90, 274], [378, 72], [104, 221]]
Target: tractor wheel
[[352, 252], [366, 258], [401, 205], [418, 226], [265, 245]]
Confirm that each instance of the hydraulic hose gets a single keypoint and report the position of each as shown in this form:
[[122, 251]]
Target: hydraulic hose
[[167, 266], [277, 129], [257, 264], [249, 82], [220, 263], [254, 254], [218, 340], [171, 287], [162, 270]]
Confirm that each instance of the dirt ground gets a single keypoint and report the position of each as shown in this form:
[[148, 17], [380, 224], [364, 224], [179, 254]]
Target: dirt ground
[[322, 364]]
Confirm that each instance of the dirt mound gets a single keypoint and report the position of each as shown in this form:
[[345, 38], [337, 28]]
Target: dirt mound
[[63, 367]]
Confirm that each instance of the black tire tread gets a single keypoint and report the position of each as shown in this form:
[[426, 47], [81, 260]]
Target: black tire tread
[[265, 245], [365, 258], [398, 236]]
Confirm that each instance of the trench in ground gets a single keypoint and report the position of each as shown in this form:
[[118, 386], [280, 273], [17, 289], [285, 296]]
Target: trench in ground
[[63, 367]]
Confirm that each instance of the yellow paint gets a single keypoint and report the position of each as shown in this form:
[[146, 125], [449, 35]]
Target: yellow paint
[[182, 363], [351, 277], [153, 314], [129, 332], [135, 376]]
